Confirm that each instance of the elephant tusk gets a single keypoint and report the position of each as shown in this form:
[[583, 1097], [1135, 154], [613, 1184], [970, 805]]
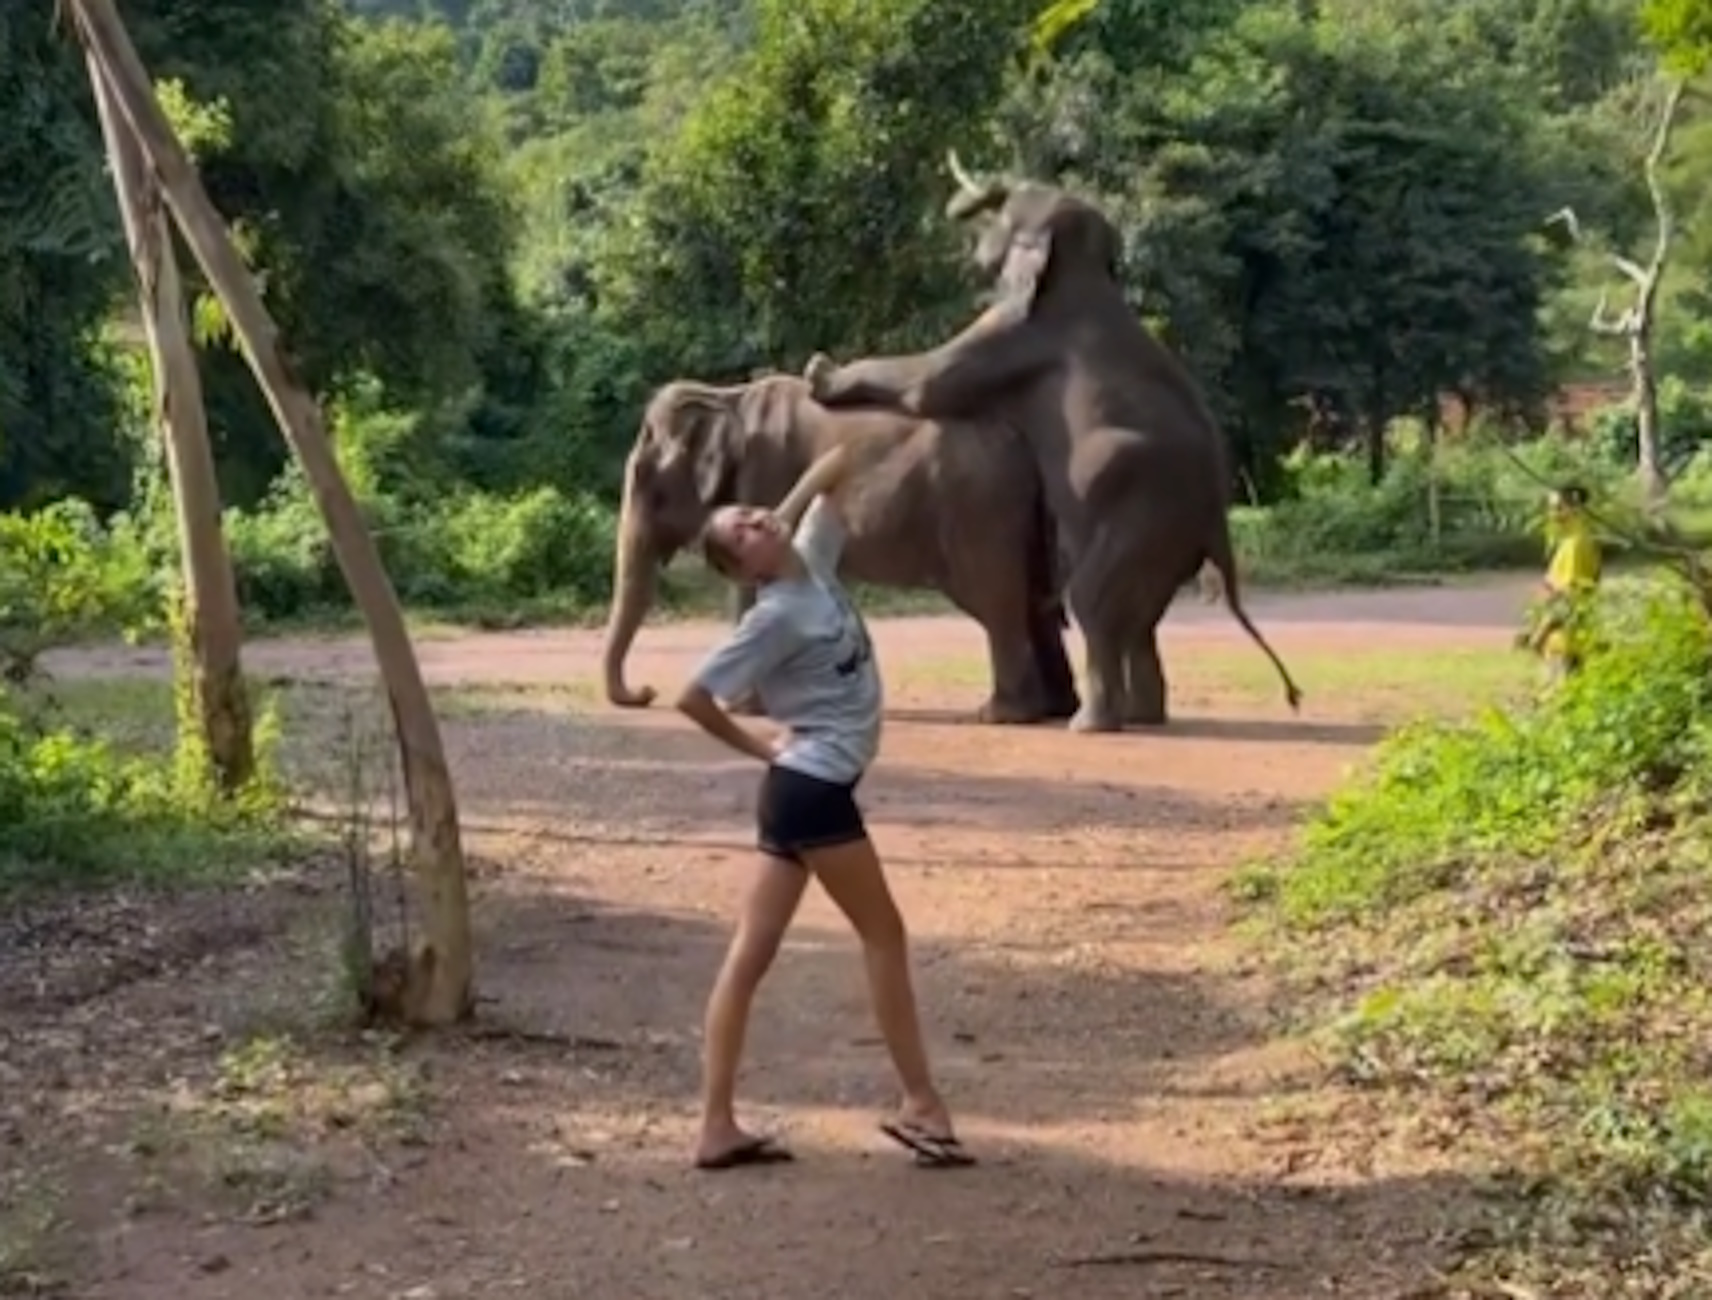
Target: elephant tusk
[[964, 181]]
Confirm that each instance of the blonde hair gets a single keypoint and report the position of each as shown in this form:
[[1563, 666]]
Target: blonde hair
[[716, 551]]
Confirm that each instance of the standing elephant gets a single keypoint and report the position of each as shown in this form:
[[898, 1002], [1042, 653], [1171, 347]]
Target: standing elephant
[[1134, 464], [949, 507]]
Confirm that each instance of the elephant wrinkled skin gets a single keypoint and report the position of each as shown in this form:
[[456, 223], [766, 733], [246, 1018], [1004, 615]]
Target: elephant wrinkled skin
[[1135, 467], [949, 507]]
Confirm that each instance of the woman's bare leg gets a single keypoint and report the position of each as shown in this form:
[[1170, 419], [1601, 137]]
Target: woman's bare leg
[[775, 889], [851, 875]]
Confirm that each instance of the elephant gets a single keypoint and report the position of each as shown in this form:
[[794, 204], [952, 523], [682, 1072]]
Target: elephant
[[946, 506], [1135, 466]]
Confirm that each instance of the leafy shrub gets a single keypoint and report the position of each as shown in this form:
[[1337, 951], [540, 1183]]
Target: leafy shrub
[[75, 811], [73, 808], [469, 551], [1439, 794], [1504, 917], [1334, 524], [537, 544], [64, 577], [1685, 420]]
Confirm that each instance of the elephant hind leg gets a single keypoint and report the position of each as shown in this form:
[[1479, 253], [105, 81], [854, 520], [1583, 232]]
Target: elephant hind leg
[[1094, 602], [1148, 599], [1144, 682], [1052, 663]]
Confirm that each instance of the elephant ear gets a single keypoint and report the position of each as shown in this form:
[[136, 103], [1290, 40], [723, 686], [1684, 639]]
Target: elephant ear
[[708, 440], [1026, 263]]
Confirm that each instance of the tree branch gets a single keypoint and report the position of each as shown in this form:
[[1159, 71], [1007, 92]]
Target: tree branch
[[1655, 183], [1644, 278], [1617, 326]]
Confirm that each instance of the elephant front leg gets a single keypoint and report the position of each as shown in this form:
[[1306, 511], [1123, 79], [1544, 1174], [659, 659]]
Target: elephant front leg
[[1017, 697], [1052, 664], [1144, 682]]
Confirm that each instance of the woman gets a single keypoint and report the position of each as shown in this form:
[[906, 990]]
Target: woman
[[1572, 574], [804, 648]]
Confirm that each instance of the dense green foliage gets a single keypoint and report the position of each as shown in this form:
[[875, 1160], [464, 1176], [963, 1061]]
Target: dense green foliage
[[1503, 919], [488, 227]]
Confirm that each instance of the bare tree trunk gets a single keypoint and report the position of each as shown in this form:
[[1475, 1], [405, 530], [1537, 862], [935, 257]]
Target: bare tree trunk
[[1635, 325], [441, 988], [1649, 462], [1435, 508], [210, 592]]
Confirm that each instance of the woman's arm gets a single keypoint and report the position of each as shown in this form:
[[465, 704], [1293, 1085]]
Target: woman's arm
[[825, 476], [701, 708]]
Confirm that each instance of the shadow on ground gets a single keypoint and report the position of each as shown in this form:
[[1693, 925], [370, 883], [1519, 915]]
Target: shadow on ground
[[591, 780], [553, 1163], [1285, 731]]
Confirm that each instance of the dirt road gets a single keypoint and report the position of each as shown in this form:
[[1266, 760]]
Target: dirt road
[[1143, 1131]]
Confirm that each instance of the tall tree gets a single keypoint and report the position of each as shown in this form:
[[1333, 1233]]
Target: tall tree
[[804, 188], [210, 594], [440, 986]]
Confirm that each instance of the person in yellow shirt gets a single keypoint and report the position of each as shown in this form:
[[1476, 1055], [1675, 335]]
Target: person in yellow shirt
[[1574, 570]]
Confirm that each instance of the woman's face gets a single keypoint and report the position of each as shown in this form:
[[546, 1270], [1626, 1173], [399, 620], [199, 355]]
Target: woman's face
[[755, 538]]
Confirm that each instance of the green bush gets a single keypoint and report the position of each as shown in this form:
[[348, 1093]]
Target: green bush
[[1504, 917], [473, 551], [64, 577], [1440, 794], [72, 808], [74, 812], [1333, 524]]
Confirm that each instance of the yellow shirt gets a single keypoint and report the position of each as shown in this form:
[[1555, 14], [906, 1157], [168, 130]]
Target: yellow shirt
[[1574, 569], [1575, 561]]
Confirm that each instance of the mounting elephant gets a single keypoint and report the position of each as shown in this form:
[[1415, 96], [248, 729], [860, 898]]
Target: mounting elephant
[[951, 507], [1135, 466]]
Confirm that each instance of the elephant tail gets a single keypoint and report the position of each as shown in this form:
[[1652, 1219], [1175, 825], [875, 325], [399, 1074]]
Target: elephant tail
[[1222, 560]]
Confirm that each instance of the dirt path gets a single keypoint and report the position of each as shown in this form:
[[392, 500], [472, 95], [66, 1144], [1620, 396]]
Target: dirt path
[[1108, 1059]]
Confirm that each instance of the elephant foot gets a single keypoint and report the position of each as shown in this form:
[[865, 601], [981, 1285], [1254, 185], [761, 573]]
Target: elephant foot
[[1007, 713], [1090, 719], [1064, 706], [1145, 713]]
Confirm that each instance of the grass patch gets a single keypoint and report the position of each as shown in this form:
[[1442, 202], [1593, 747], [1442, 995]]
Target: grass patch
[[1366, 686], [272, 1129], [95, 789], [32, 1247], [1499, 929]]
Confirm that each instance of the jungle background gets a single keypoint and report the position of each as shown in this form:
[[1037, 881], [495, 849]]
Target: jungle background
[[489, 229]]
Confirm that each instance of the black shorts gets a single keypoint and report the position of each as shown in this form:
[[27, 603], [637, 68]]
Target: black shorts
[[797, 811]]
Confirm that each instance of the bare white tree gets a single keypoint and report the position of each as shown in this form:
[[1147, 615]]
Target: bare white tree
[[1635, 324]]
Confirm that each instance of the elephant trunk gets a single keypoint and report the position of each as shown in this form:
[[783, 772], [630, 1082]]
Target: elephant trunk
[[633, 575]]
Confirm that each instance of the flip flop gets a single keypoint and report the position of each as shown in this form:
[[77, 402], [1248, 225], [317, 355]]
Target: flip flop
[[931, 1150], [755, 1151]]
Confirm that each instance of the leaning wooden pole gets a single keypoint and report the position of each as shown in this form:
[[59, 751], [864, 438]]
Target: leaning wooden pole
[[215, 632], [440, 985]]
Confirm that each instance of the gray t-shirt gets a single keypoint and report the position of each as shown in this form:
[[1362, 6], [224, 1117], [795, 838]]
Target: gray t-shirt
[[804, 648]]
